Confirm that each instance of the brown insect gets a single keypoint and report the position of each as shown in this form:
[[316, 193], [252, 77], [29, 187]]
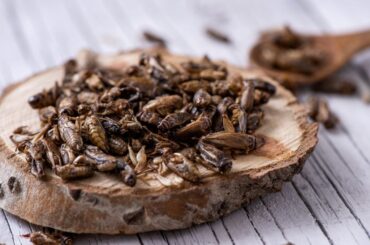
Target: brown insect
[[127, 173], [261, 97], [48, 114], [41, 100], [164, 104], [194, 85], [230, 140], [117, 145], [319, 111], [83, 109], [213, 157], [69, 133], [202, 98], [70, 68], [173, 120], [234, 84], [36, 151], [87, 97], [97, 158], [52, 152], [212, 75], [110, 95], [264, 86], [45, 97], [227, 124], [53, 134], [110, 125], [336, 86], [239, 117], [154, 38], [182, 167], [72, 171], [247, 98], [141, 160], [67, 105], [20, 141], [198, 127], [254, 119], [289, 51], [96, 132], [151, 118], [217, 35], [43, 238], [223, 106], [94, 82], [136, 144], [67, 154]]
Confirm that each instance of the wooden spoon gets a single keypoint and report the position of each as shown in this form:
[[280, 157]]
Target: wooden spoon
[[338, 48]]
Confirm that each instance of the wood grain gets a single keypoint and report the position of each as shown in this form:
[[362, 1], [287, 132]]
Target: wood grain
[[325, 183]]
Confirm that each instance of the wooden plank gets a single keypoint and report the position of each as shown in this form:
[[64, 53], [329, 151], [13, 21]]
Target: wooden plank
[[190, 26], [15, 64], [336, 218], [346, 180], [243, 18], [111, 35], [352, 17], [67, 33], [341, 17], [6, 234], [240, 229], [349, 177], [265, 223], [297, 223]]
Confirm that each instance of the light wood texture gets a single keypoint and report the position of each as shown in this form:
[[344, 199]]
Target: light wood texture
[[326, 204]]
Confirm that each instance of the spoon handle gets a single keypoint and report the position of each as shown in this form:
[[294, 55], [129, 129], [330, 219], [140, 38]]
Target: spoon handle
[[354, 42]]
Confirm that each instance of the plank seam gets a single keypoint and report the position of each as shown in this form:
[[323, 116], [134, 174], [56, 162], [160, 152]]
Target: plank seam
[[254, 227], [317, 221], [306, 178], [339, 155], [329, 206], [227, 231], [164, 237], [345, 131], [139, 238], [274, 219], [82, 25], [214, 233], [324, 171], [7, 222], [314, 15], [19, 35]]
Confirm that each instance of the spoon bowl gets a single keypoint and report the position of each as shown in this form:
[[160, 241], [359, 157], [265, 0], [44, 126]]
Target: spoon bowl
[[338, 49]]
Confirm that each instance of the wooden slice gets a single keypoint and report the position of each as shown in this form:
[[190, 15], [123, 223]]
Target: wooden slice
[[103, 204]]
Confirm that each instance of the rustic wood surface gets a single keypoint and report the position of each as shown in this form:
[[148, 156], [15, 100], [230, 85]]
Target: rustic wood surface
[[328, 203]]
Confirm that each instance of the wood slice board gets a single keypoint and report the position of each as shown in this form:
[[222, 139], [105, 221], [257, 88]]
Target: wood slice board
[[103, 204]]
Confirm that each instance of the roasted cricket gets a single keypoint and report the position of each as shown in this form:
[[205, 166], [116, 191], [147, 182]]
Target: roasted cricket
[[286, 50], [153, 118]]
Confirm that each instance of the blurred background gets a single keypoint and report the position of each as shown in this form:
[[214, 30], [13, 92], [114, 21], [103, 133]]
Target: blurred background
[[37, 34], [328, 203]]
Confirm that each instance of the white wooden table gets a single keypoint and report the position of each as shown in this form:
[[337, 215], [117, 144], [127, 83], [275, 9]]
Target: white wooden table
[[328, 203]]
